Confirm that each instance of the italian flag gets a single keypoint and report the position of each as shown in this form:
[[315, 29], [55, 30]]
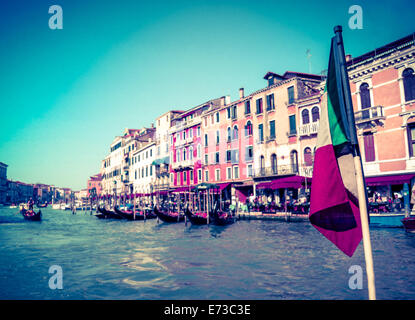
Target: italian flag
[[334, 206]]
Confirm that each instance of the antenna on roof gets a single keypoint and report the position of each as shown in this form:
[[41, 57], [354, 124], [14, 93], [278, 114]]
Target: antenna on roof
[[308, 53]]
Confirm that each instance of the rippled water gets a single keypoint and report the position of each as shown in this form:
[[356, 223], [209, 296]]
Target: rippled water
[[119, 259]]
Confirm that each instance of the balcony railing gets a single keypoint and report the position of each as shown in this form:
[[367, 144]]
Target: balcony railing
[[369, 114], [308, 129], [182, 164], [275, 171]]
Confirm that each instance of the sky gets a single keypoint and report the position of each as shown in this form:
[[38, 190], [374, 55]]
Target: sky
[[65, 94]]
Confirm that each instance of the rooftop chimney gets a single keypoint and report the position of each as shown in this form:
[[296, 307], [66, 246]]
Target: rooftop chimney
[[222, 101], [241, 93], [348, 57]]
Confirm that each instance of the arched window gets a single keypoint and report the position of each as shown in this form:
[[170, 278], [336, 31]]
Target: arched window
[[294, 161], [235, 133], [274, 163], [229, 134], [315, 114], [305, 116], [308, 157], [248, 129], [409, 84], [365, 96], [262, 165]]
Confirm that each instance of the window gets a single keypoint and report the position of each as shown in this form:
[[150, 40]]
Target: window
[[184, 135], [290, 91], [308, 157], [199, 175], [177, 156], [236, 172], [207, 175], [228, 155], [151, 171], [294, 161], [293, 124], [178, 178], [217, 116], [247, 107], [248, 129], [229, 173], [235, 156], [171, 178], [191, 133], [272, 129], [190, 153], [206, 140], [235, 133], [217, 137], [315, 114], [409, 84], [217, 174], [198, 131], [259, 106], [217, 157], [234, 113], [262, 165], [369, 147], [305, 116], [199, 151], [261, 132], [191, 175], [249, 171], [249, 153], [270, 102], [229, 134], [228, 109], [185, 176], [206, 159], [274, 163], [365, 96]]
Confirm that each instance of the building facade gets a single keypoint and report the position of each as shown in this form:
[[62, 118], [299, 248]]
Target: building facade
[[3, 182]]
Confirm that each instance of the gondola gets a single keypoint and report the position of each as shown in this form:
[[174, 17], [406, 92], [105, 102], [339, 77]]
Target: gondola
[[168, 217], [409, 224], [110, 214], [31, 215], [221, 218], [197, 219], [129, 214]]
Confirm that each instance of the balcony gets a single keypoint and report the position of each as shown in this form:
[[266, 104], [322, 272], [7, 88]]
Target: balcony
[[282, 170], [182, 164], [308, 129], [370, 115]]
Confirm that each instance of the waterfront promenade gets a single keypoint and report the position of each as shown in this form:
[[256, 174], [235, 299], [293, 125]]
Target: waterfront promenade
[[250, 259]]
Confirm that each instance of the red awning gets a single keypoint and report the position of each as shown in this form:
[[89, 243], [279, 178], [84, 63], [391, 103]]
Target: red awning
[[389, 180], [295, 182], [223, 186]]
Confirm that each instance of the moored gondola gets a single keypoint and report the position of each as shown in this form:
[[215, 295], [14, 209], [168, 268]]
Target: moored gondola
[[110, 214], [197, 219], [129, 214], [409, 224], [220, 218], [31, 215], [169, 217]]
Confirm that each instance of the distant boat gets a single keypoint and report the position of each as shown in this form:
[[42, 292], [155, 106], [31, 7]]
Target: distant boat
[[56, 206], [13, 206], [31, 215], [409, 224], [221, 218], [109, 213], [196, 218], [169, 217], [386, 220], [42, 205]]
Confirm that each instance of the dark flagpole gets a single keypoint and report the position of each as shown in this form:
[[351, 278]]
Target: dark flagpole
[[341, 66]]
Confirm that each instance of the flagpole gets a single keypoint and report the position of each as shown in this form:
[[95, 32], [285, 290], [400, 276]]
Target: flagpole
[[367, 247]]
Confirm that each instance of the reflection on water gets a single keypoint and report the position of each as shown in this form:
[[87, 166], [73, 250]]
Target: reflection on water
[[105, 259]]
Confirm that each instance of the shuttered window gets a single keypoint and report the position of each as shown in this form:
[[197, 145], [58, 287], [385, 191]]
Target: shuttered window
[[369, 147]]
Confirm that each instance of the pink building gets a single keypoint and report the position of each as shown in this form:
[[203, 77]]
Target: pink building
[[94, 185]]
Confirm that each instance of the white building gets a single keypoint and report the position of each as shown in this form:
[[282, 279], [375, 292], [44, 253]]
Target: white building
[[142, 170]]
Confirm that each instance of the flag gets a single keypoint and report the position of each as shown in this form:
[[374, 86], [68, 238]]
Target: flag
[[334, 206]]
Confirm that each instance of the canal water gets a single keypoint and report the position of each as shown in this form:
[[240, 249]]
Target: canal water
[[258, 260]]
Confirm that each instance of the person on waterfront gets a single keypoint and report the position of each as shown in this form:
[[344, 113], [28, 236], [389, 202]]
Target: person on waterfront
[[30, 204]]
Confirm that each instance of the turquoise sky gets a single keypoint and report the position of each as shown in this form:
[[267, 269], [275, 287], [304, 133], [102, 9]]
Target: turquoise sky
[[65, 94]]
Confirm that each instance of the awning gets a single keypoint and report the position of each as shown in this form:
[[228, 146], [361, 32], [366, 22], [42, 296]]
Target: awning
[[181, 189], [295, 182], [223, 186], [389, 180], [164, 160]]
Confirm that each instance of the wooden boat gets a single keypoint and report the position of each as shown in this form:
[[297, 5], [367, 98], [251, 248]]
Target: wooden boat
[[409, 224], [110, 214], [221, 218], [31, 215], [42, 205], [168, 217], [129, 214], [197, 219]]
